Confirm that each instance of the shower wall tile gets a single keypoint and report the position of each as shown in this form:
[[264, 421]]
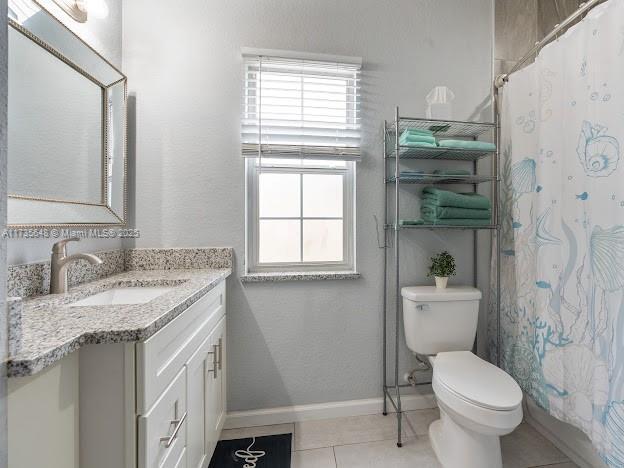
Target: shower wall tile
[[552, 12], [515, 29], [503, 66]]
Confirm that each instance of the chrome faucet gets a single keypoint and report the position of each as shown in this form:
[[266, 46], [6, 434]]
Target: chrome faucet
[[60, 261]]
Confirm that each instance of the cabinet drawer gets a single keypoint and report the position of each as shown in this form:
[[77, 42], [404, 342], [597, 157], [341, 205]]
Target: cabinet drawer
[[162, 431], [160, 357]]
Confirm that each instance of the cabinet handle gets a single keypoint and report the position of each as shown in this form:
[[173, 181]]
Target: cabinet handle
[[178, 425], [215, 363], [220, 353]]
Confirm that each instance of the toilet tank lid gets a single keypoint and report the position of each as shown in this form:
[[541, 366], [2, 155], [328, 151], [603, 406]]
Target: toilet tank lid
[[433, 294]]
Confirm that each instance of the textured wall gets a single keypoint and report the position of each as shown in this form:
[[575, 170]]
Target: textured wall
[[306, 342], [104, 35]]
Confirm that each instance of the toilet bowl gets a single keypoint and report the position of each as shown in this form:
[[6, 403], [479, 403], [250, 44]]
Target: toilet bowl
[[478, 401]]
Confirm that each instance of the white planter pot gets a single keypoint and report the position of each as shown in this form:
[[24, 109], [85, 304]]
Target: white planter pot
[[441, 282]]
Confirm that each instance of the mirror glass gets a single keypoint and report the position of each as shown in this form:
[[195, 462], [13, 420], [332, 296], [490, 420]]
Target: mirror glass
[[66, 126]]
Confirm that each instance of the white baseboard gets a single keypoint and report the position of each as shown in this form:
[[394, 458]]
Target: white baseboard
[[298, 413]]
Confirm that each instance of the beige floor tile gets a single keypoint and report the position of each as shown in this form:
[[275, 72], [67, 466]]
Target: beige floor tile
[[420, 420], [342, 431], [525, 447], [315, 458], [245, 432], [416, 452]]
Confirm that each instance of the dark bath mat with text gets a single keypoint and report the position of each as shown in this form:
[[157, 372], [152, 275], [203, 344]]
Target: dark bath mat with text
[[260, 452]]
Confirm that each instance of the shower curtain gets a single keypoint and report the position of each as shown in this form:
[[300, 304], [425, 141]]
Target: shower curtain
[[562, 275]]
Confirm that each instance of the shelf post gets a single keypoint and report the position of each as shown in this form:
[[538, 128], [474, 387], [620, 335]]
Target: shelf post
[[385, 260], [397, 264]]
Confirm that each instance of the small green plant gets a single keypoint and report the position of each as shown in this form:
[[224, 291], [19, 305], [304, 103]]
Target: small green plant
[[442, 265]]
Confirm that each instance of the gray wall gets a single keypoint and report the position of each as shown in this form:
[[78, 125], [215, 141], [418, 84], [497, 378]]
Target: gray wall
[[291, 343], [104, 35], [4, 344]]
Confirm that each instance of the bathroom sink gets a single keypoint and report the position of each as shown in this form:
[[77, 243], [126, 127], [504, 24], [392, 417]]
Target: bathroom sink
[[117, 296]]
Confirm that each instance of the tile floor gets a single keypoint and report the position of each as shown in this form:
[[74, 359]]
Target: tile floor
[[369, 441]]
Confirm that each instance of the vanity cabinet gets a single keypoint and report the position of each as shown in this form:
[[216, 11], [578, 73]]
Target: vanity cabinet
[[164, 404]]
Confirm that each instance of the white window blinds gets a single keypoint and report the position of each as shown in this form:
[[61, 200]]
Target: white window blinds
[[300, 109]]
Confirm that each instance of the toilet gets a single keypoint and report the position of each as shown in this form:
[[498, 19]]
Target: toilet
[[478, 401]]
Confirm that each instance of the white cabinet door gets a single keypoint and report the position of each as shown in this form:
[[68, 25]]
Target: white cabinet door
[[219, 339], [198, 375], [215, 397]]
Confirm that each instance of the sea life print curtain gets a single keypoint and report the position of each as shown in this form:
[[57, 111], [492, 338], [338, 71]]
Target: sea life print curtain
[[562, 275]]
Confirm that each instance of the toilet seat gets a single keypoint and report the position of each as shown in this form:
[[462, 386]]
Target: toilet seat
[[476, 381], [480, 395]]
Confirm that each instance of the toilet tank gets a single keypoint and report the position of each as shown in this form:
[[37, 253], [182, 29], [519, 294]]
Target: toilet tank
[[438, 320]]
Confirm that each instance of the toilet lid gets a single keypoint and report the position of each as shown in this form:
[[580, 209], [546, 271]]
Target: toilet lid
[[477, 381]]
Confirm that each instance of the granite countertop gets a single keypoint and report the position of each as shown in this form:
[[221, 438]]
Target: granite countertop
[[50, 329]]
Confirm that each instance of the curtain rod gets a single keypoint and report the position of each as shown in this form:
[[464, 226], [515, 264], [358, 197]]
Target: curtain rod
[[500, 80]]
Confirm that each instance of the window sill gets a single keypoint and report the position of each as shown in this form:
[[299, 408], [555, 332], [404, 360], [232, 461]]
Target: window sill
[[281, 276]]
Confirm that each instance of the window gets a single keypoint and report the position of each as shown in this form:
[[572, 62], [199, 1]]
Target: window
[[301, 138]]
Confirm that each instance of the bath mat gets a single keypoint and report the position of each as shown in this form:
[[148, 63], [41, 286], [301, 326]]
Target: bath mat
[[272, 451]]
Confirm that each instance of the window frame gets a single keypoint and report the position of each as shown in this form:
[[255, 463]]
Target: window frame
[[252, 247]]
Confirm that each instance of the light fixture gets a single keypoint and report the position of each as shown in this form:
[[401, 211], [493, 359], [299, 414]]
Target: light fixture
[[81, 9]]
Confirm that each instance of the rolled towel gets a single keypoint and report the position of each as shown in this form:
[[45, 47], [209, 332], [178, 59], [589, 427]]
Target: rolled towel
[[440, 197], [411, 222], [430, 211], [467, 144]]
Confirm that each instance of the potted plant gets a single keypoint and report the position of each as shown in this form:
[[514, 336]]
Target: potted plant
[[442, 266]]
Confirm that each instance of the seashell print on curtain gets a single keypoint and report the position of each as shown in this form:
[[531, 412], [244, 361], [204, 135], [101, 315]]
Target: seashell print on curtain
[[562, 275]]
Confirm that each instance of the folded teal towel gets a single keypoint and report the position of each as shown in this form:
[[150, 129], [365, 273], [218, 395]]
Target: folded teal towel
[[414, 175], [411, 222], [458, 222], [451, 172], [467, 144], [418, 144], [416, 139], [417, 131], [439, 197], [430, 211], [411, 174]]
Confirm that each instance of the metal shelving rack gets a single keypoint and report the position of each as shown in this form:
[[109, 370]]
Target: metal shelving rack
[[393, 180]]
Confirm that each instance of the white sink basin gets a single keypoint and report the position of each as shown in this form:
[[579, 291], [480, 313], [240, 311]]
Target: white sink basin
[[116, 296]]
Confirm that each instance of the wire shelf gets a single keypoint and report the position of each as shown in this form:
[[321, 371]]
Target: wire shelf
[[445, 128], [435, 227], [440, 129], [455, 154], [429, 179]]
